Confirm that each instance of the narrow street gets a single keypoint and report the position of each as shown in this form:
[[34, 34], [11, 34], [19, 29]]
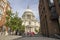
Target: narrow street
[[35, 38], [14, 37], [29, 19]]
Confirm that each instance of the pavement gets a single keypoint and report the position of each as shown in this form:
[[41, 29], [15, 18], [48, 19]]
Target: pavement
[[9, 37], [35, 38], [16, 37]]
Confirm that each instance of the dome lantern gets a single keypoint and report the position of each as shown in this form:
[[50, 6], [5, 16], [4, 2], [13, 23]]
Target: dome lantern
[[28, 7]]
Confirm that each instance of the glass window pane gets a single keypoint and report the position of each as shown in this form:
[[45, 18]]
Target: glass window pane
[[0, 11], [28, 17], [2, 4], [51, 1]]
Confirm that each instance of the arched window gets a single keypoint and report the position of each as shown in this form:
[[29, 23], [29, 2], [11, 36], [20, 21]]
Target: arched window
[[28, 17], [2, 4]]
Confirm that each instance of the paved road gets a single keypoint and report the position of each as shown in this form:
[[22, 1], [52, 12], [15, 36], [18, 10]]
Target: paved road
[[9, 37], [14, 37], [35, 38]]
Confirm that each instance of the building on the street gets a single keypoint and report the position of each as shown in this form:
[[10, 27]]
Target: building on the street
[[49, 11], [30, 22], [4, 6]]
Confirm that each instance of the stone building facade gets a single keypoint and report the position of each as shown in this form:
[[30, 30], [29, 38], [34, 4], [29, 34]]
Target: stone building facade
[[4, 6], [30, 22]]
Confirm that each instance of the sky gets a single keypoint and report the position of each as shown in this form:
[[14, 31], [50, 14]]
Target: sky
[[21, 5]]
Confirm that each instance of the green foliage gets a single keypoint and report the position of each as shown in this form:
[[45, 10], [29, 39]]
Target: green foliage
[[36, 30], [9, 14], [22, 28], [14, 22]]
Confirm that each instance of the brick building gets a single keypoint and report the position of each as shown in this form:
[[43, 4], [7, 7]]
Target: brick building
[[4, 6], [49, 11]]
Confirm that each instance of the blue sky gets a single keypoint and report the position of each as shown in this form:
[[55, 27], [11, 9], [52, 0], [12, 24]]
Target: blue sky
[[21, 5]]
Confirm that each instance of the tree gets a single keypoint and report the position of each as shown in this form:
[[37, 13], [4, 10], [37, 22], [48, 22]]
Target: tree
[[36, 30], [14, 22], [8, 17]]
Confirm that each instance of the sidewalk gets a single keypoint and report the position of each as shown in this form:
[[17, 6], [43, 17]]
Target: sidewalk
[[36, 38], [9, 37]]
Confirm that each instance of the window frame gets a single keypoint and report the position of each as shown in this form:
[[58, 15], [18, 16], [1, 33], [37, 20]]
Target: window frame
[[2, 4], [1, 13]]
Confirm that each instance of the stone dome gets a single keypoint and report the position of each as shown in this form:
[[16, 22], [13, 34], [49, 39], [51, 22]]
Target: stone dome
[[28, 10], [28, 14]]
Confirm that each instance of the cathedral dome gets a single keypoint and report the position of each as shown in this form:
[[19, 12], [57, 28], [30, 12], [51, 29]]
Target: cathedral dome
[[28, 10], [28, 14]]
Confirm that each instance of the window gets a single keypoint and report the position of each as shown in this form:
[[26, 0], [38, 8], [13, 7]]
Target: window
[[53, 9], [28, 17], [0, 17], [0, 14], [51, 1], [54, 14], [5, 0], [44, 9], [59, 2], [51, 5], [29, 22], [2, 4]]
